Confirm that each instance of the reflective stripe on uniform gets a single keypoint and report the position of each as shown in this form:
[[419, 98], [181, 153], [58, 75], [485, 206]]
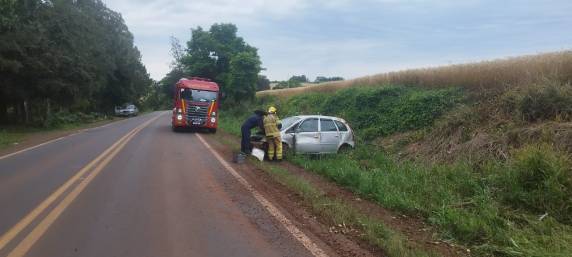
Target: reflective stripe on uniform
[[271, 125], [274, 143]]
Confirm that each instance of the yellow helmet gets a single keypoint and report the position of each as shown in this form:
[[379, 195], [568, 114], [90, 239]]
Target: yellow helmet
[[271, 109]]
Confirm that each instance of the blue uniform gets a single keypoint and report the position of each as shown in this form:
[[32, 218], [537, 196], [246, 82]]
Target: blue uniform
[[250, 123]]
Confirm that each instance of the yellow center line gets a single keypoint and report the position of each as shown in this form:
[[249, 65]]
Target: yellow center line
[[16, 229], [106, 156]]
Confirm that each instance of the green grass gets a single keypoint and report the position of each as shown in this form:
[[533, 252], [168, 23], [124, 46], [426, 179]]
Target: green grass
[[9, 135], [231, 122], [373, 111], [494, 207], [341, 216], [475, 208], [8, 138]]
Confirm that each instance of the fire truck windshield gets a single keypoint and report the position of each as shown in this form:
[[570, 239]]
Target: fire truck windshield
[[197, 95]]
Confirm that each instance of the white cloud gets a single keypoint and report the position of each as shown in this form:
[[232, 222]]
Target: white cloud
[[154, 17], [153, 22], [354, 38]]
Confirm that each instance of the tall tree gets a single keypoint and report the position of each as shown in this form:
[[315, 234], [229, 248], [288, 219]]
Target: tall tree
[[263, 83], [219, 54], [74, 55], [243, 75]]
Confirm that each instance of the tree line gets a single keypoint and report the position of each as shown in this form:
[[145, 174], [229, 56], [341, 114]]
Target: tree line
[[65, 56], [298, 80]]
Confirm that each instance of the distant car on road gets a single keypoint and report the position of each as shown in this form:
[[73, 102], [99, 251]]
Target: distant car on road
[[126, 110], [315, 134]]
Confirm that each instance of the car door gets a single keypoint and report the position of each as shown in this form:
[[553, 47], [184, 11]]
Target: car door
[[345, 135], [329, 136], [288, 135], [307, 138]]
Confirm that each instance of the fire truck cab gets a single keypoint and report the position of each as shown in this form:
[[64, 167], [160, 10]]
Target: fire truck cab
[[196, 103]]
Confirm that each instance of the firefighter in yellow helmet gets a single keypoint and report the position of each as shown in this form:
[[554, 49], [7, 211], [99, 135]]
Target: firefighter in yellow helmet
[[272, 131]]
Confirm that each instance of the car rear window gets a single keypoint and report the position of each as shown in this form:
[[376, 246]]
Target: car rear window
[[328, 125], [341, 125], [309, 125]]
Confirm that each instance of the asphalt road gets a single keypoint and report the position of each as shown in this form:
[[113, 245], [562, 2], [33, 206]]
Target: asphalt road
[[134, 188]]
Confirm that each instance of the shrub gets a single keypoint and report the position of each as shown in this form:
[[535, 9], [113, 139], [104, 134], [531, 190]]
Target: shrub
[[540, 180], [381, 111], [541, 101], [64, 118], [371, 112]]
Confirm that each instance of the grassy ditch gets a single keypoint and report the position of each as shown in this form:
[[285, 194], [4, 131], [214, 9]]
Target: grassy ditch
[[519, 205], [521, 208], [341, 216]]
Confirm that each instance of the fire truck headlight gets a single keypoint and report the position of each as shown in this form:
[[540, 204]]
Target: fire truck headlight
[[179, 117], [178, 110], [213, 114], [213, 120]]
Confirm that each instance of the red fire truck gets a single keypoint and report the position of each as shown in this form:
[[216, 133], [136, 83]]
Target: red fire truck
[[196, 103]]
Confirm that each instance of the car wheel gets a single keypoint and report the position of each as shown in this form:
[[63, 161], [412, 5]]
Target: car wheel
[[345, 148]]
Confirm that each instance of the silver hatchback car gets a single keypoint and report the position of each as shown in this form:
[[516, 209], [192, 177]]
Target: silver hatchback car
[[126, 110], [316, 134]]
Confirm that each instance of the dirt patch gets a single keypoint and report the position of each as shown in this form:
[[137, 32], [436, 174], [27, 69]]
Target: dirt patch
[[418, 233]]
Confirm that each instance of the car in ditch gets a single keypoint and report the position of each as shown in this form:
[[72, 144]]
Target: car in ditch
[[313, 134]]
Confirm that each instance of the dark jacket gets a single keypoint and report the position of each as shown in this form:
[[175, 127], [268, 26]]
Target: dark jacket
[[256, 120]]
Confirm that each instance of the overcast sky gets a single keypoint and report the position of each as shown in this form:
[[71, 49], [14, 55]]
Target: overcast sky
[[355, 38]]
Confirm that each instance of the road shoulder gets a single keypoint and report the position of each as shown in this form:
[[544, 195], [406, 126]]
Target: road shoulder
[[32, 139], [291, 204], [345, 239]]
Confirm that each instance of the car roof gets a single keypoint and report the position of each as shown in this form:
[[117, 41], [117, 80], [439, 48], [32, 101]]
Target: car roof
[[318, 116]]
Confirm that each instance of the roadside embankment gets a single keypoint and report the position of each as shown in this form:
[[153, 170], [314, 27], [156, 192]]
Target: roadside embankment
[[489, 167]]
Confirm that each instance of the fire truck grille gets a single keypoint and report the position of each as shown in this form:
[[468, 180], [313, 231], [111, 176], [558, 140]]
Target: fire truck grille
[[197, 115]]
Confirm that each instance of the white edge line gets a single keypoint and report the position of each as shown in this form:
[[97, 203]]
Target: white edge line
[[297, 233], [58, 139]]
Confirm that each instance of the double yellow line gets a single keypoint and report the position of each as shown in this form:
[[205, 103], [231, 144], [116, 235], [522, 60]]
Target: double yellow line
[[77, 184]]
